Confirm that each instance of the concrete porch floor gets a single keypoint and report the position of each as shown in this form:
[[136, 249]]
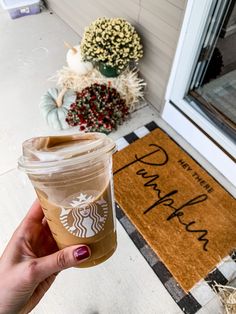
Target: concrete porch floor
[[32, 50]]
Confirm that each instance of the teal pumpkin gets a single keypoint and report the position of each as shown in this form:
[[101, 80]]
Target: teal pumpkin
[[54, 106]]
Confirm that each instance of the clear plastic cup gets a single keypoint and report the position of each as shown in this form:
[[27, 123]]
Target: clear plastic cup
[[72, 176]]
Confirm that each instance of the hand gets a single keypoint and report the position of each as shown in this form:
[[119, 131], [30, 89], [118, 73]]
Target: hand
[[31, 261]]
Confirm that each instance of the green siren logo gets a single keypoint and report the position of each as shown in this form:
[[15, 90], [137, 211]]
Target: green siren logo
[[87, 216]]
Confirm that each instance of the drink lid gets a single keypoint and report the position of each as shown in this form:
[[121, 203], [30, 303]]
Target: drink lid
[[50, 153]]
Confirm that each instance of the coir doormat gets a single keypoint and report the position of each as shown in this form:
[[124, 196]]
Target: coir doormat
[[184, 215]]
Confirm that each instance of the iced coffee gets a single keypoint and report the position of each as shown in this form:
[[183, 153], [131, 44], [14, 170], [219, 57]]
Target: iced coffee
[[72, 176]]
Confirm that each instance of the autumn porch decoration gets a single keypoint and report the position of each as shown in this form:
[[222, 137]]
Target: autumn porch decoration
[[111, 43], [98, 108]]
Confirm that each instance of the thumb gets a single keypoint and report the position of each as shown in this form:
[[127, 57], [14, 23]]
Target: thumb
[[68, 257]]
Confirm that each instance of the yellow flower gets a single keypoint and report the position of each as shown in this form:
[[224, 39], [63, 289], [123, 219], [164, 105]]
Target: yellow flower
[[112, 40]]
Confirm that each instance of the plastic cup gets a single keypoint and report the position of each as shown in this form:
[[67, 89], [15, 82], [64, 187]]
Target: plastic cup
[[72, 176]]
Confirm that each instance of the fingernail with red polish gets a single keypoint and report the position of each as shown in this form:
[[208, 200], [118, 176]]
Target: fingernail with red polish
[[81, 253]]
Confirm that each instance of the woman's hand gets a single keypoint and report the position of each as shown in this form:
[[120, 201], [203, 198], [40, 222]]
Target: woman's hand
[[31, 261]]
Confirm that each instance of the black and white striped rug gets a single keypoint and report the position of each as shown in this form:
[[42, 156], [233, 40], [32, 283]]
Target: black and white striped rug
[[202, 293]]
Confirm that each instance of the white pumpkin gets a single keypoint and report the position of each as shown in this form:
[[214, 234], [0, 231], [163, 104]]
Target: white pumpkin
[[75, 62], [54, 106]]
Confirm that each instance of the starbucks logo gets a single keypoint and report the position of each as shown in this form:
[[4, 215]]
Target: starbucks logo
[[86, 217]]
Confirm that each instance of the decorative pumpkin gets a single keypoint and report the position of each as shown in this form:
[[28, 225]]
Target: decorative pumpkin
[[75, 62], [54, 106]]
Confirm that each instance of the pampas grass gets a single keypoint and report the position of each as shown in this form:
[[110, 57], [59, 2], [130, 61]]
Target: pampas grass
[[128, 84], [227, 295]]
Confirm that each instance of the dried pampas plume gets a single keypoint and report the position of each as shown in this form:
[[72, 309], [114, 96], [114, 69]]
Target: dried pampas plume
[[128, 84], [227, 295]]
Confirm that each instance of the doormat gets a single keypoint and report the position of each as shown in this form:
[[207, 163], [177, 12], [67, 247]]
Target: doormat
[[185, 217]]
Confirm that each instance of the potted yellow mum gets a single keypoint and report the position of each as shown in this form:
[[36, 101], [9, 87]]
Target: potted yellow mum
[[112, 43]]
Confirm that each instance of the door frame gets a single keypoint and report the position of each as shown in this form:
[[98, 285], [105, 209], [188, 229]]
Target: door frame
[[190, 123]]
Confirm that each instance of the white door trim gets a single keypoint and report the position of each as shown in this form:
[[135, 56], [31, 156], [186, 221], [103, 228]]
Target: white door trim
[[196, 15]]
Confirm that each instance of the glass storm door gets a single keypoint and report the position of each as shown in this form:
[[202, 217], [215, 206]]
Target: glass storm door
[[201, 93], [213, 85]]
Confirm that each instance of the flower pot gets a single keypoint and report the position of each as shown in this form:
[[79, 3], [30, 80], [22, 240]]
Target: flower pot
[[107, 70]]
